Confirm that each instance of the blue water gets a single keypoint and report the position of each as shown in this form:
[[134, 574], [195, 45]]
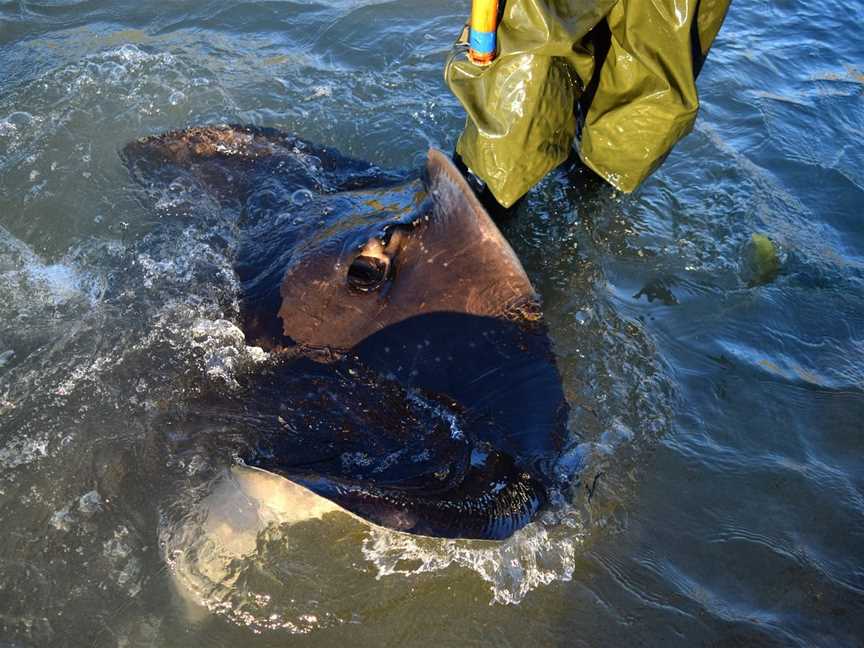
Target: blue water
[[722, 404]]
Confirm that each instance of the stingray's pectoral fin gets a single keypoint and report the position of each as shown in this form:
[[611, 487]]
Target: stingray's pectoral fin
[[231, 161], [494, 500], [222, 158]]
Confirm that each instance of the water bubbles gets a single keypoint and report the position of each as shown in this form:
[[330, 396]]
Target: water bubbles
[[6, 357], [22, 451], [219, 331], [90, 503], [20, 119], [583, 317], [62, 520], [129, 53], [16, 121], [321, 91], [313, 164], [301, 197], [176, 98], [532, 557], [126, 565], [30, 288], [116, 73], [224, 349]]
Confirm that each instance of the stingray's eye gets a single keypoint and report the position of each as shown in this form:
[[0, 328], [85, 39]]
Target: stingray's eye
[[367, 273]]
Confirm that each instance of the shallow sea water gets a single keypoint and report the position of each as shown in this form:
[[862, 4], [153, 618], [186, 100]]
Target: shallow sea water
[[720, 408]]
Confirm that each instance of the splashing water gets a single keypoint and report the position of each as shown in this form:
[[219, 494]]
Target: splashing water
[[714, 419]]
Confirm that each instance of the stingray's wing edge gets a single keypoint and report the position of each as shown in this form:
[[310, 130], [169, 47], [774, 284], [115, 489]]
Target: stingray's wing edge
[[229, 159]]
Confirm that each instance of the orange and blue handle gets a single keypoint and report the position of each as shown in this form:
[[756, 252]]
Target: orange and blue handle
[[481, 40]]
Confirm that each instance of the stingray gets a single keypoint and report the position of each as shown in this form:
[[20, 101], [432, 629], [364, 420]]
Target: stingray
[[413, 381]]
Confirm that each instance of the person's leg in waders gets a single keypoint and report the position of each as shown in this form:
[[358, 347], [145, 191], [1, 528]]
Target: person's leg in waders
[[614, 77]]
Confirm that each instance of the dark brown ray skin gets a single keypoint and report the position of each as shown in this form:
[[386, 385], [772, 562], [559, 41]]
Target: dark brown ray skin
[[455, 313], [231, 160], [448, 257]]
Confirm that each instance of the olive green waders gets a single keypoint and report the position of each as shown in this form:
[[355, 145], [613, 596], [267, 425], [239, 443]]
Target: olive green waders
[[621, 73]]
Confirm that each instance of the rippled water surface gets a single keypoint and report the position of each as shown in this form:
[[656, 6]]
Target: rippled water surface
[[719, 401]]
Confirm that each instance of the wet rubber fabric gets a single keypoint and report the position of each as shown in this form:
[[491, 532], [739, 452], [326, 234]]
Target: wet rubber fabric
[[620, 73]]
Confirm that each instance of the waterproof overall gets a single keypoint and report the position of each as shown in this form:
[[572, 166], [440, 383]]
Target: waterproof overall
[[619, 74]]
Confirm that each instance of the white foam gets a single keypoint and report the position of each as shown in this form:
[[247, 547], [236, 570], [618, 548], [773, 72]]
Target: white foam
[[224, 349], [22, 451], [123, 557], [30, 283], [532, 557]]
